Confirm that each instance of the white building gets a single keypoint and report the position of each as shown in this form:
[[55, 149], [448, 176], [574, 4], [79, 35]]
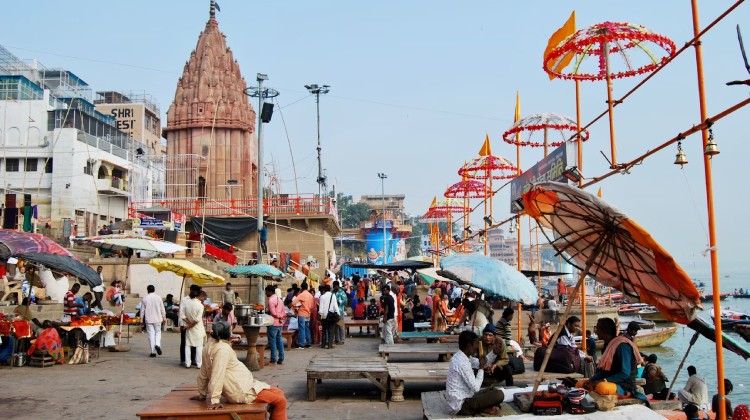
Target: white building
[[63, 163]]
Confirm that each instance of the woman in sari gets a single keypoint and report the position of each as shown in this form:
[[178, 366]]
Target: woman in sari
[[440, 312]]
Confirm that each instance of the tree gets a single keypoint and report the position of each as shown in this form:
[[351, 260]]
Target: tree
[[351, 214]]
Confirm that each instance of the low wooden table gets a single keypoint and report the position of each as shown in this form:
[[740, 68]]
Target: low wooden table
[[442, 350], [178, 405], [322, 367], [286, 334], [425, 372], [374, 323], [251, 360]]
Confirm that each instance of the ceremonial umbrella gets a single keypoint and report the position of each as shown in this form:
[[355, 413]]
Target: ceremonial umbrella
[[64, 263], [258, 270], [493, 277], [617, 252], [13, 242]]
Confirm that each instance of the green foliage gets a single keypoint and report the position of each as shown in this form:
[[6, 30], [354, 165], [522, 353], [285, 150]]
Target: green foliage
[[352, 215]]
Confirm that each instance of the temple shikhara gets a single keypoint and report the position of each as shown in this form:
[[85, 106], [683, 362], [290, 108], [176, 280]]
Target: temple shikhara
[[210, 132]]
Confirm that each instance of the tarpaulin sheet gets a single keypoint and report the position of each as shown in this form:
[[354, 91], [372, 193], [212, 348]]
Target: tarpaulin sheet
[[229, 230]]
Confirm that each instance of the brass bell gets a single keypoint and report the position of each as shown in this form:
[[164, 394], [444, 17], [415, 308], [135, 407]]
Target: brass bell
[[512, 228], [680, 158], [711, 147]]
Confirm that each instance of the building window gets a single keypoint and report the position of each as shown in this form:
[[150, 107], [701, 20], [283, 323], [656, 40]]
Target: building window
[[204, 150], [48, 166], [89, 168], [30, 165], [12, 165]]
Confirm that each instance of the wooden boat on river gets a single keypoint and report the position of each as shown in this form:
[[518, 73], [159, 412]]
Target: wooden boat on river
[[652, 314], [648, 338], [710, 297]]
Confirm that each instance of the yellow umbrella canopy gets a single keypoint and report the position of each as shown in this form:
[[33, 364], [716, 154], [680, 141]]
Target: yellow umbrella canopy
[[186, 269]]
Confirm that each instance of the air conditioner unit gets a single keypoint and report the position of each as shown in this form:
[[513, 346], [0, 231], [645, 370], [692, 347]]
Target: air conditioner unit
[[91, 161]]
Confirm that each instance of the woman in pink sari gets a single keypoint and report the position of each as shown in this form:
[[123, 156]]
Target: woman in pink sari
[[316, 334]]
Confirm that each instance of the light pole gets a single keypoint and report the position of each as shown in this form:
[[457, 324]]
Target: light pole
[[382, 177], [317, 91], [261, 94]]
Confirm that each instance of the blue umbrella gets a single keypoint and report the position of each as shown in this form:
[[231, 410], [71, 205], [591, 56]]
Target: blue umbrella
[[493, 277], [257, 270]]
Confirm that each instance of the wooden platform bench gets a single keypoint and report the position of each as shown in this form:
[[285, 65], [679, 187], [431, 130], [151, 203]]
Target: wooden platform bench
[[374, 323], [442, 350], [430, 336], [286, 334], [177, 405], [399, 373], [322, 367]]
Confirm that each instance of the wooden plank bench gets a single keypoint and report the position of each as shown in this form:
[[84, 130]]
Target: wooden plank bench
[[177, 405], [430, 336], [322, 367], [442, 350], [398, 373], [286, 334], [374, 323]]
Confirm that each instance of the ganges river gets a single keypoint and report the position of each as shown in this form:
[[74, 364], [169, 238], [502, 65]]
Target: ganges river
[[703, 353]]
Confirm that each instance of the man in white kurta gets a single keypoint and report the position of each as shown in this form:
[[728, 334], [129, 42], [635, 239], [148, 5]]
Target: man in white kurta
[[195, 333], [153, 315], [223, 375]]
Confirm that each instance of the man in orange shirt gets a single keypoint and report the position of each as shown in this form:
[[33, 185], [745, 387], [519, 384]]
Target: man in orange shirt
[[303, 303], [562, 290]]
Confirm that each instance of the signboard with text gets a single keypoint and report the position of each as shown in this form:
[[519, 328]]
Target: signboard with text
[[548, 169]]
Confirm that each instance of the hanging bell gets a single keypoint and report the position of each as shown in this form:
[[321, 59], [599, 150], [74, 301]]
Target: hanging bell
[[680, 158], [511, 229], [711, 147]]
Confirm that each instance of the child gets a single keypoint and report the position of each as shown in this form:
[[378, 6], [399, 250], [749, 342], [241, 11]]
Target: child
[[360, 310], [373, 311]]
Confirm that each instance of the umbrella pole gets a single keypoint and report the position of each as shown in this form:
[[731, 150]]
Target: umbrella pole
[[682, 363], [561, 324]]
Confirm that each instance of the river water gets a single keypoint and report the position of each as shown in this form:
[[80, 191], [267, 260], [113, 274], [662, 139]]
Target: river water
[[703, 353]]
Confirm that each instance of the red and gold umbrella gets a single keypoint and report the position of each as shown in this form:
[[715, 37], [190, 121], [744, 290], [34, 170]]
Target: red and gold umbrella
[[490, 166]]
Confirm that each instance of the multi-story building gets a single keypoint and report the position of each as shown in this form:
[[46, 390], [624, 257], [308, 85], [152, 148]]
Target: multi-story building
[[64, 164]]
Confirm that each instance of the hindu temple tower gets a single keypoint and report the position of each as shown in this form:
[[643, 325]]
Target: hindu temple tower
[[210, 132]]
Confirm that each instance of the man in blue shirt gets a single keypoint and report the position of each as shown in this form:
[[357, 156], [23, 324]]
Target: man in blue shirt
[[83, 303]]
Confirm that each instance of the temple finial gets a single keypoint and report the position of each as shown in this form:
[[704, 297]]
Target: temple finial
[[214, 8]]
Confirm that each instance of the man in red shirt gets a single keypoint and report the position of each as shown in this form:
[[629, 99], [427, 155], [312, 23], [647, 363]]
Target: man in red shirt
[[303, 304], [71, 307], [562, 290]]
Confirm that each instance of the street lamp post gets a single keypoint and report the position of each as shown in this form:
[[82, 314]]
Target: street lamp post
[[317, 91], [261, 94], [382, 177]]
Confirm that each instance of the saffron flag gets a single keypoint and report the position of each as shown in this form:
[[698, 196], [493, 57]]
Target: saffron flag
[[568, 28], [599, 193], [486, 149]]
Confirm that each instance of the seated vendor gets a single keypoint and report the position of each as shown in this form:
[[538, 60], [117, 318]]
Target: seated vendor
[[463, 391], [226, 314], [223, 375], [500, 370], [83, 303], [618, 364]]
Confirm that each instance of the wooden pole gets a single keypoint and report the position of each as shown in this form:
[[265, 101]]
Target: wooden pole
[[711, 217], [579, 146], [569, 306]]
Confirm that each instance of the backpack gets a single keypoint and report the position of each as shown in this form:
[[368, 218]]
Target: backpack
[[563, 359]]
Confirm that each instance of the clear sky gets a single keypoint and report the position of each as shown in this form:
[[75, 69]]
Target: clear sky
[[416, 85]]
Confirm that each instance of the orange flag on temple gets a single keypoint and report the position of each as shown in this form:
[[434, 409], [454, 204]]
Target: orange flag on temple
[[599, 193], [568, 28], [486, 149]]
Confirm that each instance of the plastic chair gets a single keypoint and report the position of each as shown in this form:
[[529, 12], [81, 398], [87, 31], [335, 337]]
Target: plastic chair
[[12, 288]]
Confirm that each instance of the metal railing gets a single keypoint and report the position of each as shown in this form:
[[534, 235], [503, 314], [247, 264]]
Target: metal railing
[[287, 205]]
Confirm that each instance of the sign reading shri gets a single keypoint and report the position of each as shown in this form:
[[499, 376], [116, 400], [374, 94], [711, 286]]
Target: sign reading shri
[[550, 168], [129, 117]]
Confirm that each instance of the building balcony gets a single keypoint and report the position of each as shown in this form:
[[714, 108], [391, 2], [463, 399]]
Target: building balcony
[[112, 186]]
